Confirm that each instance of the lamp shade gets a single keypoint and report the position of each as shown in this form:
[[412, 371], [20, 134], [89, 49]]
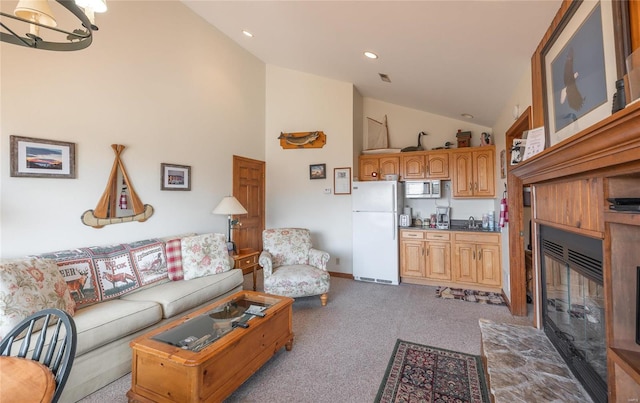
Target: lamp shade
[[36, 11], [229, 205]]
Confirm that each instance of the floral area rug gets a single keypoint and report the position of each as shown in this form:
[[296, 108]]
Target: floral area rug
[[481, 297], [419, 373]]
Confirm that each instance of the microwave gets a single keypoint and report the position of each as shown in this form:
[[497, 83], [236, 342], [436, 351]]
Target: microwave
[[424, 189]]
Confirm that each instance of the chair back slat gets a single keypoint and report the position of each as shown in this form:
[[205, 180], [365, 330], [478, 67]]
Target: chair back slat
[[52, 345], [41, 338], [24, 347]]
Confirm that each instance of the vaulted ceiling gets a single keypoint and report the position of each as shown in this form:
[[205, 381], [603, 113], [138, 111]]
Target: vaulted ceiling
[[443, 57]]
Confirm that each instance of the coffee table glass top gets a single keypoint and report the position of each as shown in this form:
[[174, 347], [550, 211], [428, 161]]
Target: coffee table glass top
[[203, 330]]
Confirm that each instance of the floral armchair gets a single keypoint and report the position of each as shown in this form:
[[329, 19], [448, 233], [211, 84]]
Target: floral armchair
[[291, 266]]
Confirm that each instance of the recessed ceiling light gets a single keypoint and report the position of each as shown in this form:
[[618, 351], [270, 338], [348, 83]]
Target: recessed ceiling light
[[467, 115], [371, 55], [247, 33]]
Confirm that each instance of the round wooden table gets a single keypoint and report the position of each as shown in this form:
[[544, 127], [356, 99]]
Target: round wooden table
[[25, 380]]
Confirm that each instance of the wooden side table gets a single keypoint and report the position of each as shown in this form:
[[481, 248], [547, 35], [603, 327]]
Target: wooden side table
[[248, 262]]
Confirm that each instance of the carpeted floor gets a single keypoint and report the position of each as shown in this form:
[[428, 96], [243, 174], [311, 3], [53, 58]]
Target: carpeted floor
[[419, 373], [341, 351]]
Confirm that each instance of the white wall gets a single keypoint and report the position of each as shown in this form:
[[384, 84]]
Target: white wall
[[522, 98], [300, 102], [175, 91]]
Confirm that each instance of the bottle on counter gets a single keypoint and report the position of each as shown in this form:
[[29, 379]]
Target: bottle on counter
[[485, 221], [492, 218]]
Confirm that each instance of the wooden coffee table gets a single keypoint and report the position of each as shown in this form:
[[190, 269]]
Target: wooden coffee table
[[162, 372]]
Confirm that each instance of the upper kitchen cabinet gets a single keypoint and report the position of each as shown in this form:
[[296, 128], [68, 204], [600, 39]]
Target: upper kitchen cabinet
[[374, 167], [422, 165], [474, 172]]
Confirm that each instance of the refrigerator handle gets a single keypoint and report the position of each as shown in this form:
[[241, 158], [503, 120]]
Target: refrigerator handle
[[395, 227], [395, 197]]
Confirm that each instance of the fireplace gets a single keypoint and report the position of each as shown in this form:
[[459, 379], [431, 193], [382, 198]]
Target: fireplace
[[573, 305]]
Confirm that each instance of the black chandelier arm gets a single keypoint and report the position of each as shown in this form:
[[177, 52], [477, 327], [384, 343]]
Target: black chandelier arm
[[78, 39]]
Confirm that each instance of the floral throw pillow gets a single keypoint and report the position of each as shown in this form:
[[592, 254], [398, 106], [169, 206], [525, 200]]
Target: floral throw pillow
[[203, 255], [28, 286]]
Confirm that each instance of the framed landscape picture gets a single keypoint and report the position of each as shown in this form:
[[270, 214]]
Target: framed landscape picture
[[40, 158], [318, 171], [175, 177]]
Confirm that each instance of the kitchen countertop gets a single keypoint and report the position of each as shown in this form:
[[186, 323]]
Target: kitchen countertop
[[457, 226]]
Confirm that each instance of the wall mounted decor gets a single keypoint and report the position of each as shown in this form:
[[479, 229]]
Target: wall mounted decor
[[342, 181], [315, 139], [318, 171], [38, 158], [175, 177], [106, 211], [579, 67]]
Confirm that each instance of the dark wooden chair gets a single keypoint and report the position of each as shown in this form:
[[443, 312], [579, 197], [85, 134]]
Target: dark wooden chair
[[59, 348]]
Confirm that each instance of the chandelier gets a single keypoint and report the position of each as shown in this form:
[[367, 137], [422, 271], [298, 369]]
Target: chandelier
[[32, 15]]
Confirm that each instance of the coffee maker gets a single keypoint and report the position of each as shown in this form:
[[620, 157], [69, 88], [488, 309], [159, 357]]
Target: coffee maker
[[442, 217]]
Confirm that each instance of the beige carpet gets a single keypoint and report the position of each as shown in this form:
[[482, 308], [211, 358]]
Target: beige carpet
[[341, 351]]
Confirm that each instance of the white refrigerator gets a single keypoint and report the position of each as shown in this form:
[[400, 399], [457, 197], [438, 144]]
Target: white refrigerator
[[376, 207]]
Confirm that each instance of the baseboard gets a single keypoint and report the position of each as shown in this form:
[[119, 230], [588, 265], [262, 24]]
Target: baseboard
[[342, 275]]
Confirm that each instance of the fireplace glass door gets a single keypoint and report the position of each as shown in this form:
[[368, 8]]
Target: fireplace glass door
[[575, 308]]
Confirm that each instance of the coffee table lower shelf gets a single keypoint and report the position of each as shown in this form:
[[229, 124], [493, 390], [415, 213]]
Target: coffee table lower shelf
[[164, 373]]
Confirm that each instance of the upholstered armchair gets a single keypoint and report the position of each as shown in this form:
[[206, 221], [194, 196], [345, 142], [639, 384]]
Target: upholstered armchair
[[291, 266]]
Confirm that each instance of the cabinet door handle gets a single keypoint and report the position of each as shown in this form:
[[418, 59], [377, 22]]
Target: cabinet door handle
[[423, 251], [476, 185], [426, 169], [470, 185], [474, 255], [480, 255]]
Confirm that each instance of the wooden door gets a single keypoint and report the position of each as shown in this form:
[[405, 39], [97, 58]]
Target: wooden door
[[412, 258], [389, 166], [369, 167], [488, 265], [464, 264], [438, 166], [438, 261], [484, 168], [248, 188], [413, 167], [462, 174]]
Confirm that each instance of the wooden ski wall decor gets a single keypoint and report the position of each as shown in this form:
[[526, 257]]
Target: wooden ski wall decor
[[104, 212], [315, 139]]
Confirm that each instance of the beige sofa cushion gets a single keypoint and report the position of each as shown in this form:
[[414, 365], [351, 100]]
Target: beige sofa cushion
[[179, 296], [107, 321]]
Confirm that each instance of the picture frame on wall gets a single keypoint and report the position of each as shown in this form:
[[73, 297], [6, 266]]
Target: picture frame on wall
[[40, 158], [579, 70], [175, 177], [342, 181], [318, 171]]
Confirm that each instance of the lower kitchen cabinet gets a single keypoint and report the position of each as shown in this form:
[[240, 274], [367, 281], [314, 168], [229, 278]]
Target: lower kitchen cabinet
[[426, 258], [476, 259]]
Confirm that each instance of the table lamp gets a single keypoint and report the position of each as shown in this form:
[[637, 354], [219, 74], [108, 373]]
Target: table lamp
[[229, 206]]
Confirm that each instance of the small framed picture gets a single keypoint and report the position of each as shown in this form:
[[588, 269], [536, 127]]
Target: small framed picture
[[175, 177], [39, 158], [342, 181], [318, 171]]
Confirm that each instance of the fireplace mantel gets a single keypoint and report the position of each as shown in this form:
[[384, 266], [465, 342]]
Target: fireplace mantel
[[571, 182], [612, 143]]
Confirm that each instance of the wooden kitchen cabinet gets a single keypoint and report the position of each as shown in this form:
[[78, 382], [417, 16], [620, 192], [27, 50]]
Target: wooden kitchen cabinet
[[425, 165], [375, 167], [476, 259], [474, 172], [424, 256]]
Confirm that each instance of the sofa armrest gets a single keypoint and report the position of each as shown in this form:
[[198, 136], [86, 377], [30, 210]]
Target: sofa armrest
[[266, 263], [318, 258]]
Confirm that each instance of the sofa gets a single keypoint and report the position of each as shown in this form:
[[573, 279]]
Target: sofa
[[115, 294]]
